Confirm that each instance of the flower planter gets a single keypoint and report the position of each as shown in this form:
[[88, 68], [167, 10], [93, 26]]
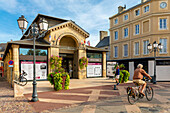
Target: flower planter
[[63, 83]]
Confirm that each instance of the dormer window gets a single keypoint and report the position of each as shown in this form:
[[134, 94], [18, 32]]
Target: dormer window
[[146, 8], [126, 17], [116, 21], [137, 12]]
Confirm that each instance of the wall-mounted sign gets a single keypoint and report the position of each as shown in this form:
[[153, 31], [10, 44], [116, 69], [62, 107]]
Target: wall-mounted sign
[[41, 69], [94, 69], [94, 59], [110, 68]]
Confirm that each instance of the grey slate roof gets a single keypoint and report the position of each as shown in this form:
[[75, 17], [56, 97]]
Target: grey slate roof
[[104, 42]]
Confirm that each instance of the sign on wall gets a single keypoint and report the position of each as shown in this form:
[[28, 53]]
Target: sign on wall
[[110, 68], [41, 70], [94, 69]]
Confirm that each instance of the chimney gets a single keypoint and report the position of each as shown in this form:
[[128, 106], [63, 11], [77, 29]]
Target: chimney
[[143, 1], [121, 8], [103, 34]]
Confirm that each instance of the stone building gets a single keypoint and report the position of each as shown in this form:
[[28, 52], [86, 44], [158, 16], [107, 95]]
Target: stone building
[[63, 38], [132, 29]]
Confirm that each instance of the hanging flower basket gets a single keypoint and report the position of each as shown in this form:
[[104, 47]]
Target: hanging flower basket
[[83, 62]]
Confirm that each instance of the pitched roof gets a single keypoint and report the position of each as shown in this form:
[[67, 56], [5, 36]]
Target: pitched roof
[[2, 47], [104, 42]]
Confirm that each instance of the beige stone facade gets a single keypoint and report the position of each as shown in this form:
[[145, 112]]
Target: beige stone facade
[[149, 29], [63, 38], [132, 29]]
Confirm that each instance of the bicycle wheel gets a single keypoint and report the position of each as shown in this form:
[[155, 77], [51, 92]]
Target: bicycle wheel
[[23, 81], [132, 97], [149, 93]]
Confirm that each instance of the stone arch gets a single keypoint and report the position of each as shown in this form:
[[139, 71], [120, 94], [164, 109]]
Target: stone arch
[[74, 37]]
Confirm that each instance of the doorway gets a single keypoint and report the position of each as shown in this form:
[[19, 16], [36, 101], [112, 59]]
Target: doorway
[[67, 63]]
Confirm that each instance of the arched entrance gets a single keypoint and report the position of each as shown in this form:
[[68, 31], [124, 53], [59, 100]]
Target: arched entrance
[[68, 51]]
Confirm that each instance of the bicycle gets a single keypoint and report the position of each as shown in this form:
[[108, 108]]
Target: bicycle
[[134, 94], [22, 80]]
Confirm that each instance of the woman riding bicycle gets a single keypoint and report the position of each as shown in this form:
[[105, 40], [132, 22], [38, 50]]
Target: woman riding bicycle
[[138, 76]]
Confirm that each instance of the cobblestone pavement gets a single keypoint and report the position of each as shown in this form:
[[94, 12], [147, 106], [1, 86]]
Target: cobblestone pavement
[[97, 99], [9, 104]]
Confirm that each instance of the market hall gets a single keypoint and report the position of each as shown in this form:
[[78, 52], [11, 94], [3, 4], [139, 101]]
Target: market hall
[[64, 38]]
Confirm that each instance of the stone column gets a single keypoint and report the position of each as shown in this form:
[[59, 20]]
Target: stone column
[[15, 51], [52, 51], [81, 72], [151, 67], [131, 70], [104, 64]]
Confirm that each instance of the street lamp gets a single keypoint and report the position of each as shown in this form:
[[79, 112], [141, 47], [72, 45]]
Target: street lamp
[[154, 48], [43, 25]]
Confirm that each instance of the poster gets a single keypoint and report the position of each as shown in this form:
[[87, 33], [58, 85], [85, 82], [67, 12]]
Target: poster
[[41, 70], [110, 68], [94, 69]]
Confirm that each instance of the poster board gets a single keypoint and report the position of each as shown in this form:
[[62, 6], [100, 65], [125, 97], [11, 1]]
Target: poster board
[[110, 69], [41, 70], [94, 70]]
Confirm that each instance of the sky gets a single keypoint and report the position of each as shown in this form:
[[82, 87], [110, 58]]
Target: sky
[[91, 15]]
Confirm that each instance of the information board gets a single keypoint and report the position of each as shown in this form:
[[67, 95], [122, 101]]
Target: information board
[[41, 69], [94, 70], [110, 69]]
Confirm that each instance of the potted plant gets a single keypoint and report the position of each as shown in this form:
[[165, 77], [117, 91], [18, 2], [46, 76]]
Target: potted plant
[[83, 62], [59, 78]]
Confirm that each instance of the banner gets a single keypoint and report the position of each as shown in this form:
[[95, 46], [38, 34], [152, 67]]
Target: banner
[[94, 70]]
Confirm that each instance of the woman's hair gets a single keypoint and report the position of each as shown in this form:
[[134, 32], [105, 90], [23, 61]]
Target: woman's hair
[[140, 66]]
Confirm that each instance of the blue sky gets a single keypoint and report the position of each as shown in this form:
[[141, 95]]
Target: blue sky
[[91, 15]]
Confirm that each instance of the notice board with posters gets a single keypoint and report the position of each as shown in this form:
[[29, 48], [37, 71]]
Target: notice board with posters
[[110, 69], [94, 70], [41, 70]]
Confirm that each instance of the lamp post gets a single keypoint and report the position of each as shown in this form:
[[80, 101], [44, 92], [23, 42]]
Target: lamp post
[[154, 48], [43, 25]]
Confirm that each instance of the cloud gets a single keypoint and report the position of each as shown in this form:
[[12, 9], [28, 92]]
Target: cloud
[[6, 37], [91, 15]]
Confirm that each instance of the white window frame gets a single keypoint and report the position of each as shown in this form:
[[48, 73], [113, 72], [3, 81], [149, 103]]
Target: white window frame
[[115, 21], [124, 50], [164, 46], [163, 24], [145, 47], [135, 12], [115, 51], [115, 35], [146, 10], [137, 31], [136, 49], [126, 33]]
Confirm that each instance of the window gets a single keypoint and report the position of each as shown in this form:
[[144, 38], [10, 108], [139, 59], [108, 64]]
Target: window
[[145, 47], [125, 50], [136, 48], [163, 23], [137, 29], [116, 51], [116, 21], [94, 55], [116, 35], [146, 9], [125, 32], [137, 12], [164, 43], [126, 17], [38, 52], [2, 55]]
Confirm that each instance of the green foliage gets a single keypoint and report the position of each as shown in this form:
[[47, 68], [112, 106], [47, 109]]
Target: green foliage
[[83, 62], [56, 78], [121, 66], [124, 76], [67, 82]]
